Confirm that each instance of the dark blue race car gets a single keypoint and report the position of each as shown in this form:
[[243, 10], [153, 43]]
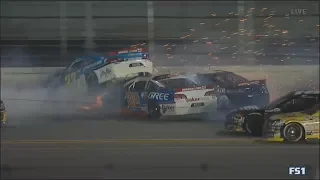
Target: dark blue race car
[[234, 90]]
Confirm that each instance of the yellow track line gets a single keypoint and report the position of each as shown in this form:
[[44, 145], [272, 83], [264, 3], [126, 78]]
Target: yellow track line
[[125, 141]]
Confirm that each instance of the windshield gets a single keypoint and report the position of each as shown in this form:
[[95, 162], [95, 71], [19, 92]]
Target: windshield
[[178, 83], [276, 102]]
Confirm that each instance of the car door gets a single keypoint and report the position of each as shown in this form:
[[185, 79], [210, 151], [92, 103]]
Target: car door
[[73, 73], [134, 94]]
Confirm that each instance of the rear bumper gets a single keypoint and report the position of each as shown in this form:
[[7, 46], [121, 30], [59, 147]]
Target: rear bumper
[[3, 117]]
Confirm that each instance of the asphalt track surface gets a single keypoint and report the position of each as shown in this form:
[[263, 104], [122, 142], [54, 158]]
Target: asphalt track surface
[[138, 148]]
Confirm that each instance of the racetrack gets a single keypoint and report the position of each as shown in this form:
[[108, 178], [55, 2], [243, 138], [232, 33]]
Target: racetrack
[[37, 144], [127, 148]]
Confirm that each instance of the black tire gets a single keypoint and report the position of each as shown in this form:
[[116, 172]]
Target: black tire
[[253, 125], [293, 132], [154, 111]]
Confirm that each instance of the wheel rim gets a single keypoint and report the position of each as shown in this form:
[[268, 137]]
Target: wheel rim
[[293, 133]]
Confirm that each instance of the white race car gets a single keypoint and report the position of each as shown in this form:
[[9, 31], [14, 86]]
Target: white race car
[[167, 95]]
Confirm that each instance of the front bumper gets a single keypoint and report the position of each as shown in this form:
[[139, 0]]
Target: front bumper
[[272, 131], [234, 123]]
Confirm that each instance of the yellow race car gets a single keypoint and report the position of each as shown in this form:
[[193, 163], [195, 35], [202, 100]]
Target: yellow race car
[[2, 113], [293, 127]]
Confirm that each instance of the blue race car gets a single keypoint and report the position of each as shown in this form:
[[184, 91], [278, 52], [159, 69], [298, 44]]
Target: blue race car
[[90, 72], [234, 90]]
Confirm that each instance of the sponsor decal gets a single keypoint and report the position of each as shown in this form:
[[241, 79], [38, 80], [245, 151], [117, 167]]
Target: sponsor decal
[[196, 88], [220, 90], [159, 96], [167, 108], [255, 113], [133, 99], [249, 108], [92, 65], [243, 84], [197, 104], [197, 99], [131, 50]]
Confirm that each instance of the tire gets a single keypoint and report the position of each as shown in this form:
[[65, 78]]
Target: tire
[[154, 110], [293, 132], [253, 125]]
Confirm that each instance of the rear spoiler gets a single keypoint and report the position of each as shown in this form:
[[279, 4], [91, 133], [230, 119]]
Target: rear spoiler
[[257, 82]]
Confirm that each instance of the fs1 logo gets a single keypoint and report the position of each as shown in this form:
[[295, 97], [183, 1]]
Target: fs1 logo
[[297, 170]]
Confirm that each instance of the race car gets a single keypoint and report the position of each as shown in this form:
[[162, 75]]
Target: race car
[[156, 97], [90, 72], [293, 127], [2, 113], [234, 90], [250, 119]]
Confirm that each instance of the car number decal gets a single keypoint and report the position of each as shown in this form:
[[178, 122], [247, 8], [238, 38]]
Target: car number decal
[[70, 78], [133, 99]]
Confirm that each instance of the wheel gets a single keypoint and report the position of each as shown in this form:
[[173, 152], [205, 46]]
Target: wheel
[[293, 132], [153, 110], [253, 125]]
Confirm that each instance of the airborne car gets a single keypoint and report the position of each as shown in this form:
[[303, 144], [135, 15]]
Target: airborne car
[[234, 90], [90, 72], [250, 119], [167, 96]]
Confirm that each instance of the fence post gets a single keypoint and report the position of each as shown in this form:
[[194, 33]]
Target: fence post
[[89, 34], [246, 33], [150, 14], [63, 30]]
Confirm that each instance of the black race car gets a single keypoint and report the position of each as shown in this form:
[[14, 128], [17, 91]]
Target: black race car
[[251, 119], [2, 113], [234, 90]]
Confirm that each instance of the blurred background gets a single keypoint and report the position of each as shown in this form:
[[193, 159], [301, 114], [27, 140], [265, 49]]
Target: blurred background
[[49, 33]]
